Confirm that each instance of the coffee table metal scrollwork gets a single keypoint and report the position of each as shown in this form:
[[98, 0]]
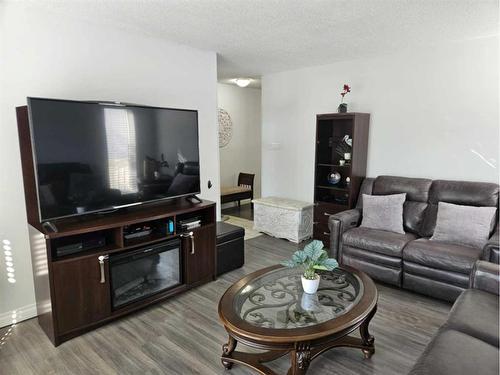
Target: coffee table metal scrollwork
[[268, 310]]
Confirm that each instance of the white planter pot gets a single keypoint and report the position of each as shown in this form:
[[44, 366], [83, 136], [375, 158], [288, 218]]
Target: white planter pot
[[310, 286]]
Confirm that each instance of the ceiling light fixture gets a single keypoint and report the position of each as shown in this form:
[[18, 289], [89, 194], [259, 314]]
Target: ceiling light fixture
[[242, 82]]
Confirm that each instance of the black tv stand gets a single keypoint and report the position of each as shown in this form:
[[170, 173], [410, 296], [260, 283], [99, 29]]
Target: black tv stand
[[191, 198]]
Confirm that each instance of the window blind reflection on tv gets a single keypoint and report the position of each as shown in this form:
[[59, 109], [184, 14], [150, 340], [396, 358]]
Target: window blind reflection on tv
[[91, 156]]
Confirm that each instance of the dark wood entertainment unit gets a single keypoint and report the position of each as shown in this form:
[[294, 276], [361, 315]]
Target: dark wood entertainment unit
[[73, 291]]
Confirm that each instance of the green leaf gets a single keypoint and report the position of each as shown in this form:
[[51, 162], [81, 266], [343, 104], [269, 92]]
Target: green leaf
[[299, 257], [289, 263], [320, 267], [330, 264], [323, 257], [319, 253], [314, 249]]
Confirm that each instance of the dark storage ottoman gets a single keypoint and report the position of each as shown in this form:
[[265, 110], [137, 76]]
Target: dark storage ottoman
[[230, 247]]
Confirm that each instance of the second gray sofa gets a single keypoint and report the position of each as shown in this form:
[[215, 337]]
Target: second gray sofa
[[411, 260], [468, 342]]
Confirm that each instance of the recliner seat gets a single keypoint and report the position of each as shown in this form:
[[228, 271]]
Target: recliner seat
[[364, 246]]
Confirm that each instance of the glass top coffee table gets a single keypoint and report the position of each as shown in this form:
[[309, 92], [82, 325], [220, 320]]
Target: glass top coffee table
[[268, 310]]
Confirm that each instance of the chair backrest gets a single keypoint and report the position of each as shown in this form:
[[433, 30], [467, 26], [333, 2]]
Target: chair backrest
[[465, 193], [246, 180]]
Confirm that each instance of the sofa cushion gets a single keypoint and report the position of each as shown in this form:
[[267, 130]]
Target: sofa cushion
[[466, 225], [452, 352], [384, 212], [453, 278], [372, 256], [376, 271], [430, 287], [379, 241], [417, 194], [475, 313], [413, 216], [441, 255], [480, 194]]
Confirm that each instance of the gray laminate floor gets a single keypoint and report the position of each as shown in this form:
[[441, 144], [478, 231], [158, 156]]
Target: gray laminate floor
[[244, 211], [183, 335]]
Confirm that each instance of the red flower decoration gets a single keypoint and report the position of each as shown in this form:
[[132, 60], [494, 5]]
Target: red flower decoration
[[347, 89]]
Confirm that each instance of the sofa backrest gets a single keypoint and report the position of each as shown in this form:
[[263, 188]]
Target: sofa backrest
[[365, 188], [481, 194], [423, 196], [417, 195]]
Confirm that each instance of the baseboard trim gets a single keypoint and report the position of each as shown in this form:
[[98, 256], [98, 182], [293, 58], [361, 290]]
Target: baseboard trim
[[21, 313]]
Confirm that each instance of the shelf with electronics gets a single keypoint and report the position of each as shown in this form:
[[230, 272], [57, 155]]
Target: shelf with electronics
[[340, 165]]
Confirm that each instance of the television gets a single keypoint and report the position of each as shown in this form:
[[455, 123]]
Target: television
[[97, 156]]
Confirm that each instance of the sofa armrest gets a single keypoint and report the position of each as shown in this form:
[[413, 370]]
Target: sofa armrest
[[491, 251], [338, 224], [485, 276]]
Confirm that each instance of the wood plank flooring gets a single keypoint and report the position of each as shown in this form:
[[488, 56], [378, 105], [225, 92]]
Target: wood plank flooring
[[183, 335], [244, 211]]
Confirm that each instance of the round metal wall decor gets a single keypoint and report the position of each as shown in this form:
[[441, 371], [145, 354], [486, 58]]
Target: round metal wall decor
[[225, 127]]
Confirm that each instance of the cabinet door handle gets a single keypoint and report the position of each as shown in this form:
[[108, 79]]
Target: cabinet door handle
[[101, 260], [326, 233], [327, 214], [191, 236]]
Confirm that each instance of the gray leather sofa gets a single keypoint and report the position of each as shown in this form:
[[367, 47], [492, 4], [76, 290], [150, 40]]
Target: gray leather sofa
[[411, 260], [468, 343]]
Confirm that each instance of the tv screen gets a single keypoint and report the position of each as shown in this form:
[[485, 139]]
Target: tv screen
[[93, 156]]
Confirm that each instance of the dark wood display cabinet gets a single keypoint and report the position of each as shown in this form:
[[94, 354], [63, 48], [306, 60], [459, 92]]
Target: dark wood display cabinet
[[338, 176], [92, 270]]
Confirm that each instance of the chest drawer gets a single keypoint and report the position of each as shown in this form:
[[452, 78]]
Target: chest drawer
[[322, 233], [322, 212]]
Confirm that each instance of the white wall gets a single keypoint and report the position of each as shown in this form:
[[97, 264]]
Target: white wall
[[434, 113], [49, 56], [243, 153]]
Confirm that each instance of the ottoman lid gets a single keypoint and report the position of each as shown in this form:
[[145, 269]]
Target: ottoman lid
[[289, 204], [227, 232]]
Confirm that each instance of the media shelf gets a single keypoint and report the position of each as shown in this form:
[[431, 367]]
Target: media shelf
[[79, 285], [83, 285], [331, 131]]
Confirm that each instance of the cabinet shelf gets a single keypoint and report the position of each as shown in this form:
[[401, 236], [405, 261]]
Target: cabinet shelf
[[343, 189], [334, 165], [146, 240], [108, 249], [334, 133]]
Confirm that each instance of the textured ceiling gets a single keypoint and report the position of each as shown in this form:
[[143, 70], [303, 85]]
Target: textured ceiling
[[255, 37]]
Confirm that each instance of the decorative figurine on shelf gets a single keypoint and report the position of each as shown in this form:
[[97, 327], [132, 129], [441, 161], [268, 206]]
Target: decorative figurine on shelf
[[347, 140], [348, 181], [334, 178], [343, 146], [343, 106]]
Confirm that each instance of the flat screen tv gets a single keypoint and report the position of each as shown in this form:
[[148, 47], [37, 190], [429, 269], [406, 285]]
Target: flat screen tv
[[92, 156]]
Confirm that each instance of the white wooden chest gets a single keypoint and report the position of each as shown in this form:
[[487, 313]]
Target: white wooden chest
[[284, 218]]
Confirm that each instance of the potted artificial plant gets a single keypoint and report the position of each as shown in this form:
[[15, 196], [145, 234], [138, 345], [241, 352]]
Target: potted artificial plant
[[312, 258], [343, 106]]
